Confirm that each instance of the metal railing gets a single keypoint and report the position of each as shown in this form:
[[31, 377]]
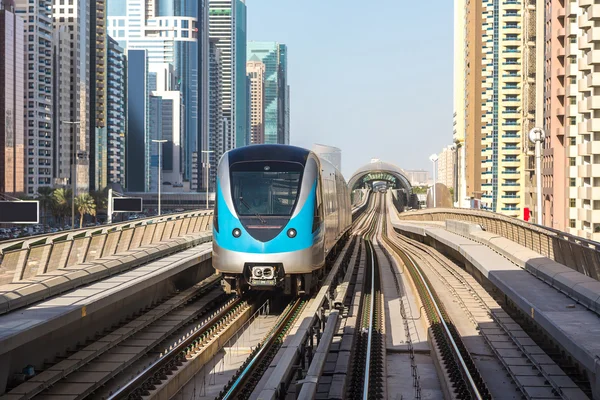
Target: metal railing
[[44, 255], [580, 254]]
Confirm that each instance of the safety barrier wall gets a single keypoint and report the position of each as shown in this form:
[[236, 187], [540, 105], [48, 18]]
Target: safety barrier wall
[[26, 263], [578, 253]]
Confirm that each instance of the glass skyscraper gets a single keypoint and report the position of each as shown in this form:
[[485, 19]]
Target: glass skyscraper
[[242, 117], [172, 33], [276, 108]]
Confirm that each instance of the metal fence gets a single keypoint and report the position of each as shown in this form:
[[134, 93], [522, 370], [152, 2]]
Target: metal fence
[[93, 244], [578, 253]]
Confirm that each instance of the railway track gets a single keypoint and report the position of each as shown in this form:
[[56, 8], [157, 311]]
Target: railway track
[[532, 374], [368, 371], [192, 341], [245, 380], [94, 364], [466, 380]]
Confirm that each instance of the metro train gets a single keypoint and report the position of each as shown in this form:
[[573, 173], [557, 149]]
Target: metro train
[[279, 211]]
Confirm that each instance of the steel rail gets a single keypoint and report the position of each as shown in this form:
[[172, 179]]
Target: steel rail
[[266, 344], [371, 313], [178, 351], [447, 331]]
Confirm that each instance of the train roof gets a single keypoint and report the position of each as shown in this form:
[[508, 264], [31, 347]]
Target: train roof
[[275, 152]]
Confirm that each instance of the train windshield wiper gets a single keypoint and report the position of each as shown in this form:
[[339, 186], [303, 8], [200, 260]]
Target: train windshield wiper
[[255, 213]]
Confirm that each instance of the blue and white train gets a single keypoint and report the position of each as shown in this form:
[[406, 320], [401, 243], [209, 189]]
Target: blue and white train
[[280, 210]]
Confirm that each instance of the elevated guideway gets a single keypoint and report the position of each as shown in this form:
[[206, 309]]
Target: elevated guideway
[[561, 300]]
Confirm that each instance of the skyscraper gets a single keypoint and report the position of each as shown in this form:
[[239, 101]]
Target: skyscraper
[[12, 85], [137, 160], [218, 123], [37, 18], [493, 95], [221, 26], [115, 112], [467, 97], [61, 111], [274, 56], [98, 94], [165, 124], [73, 20], [256, 72], [571, 171], [445, 167], [171, 32], [227, 24], [241, 116]]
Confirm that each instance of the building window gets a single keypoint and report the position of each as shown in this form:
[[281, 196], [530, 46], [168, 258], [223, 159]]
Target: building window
[[572, 141], [572, 223], [573, 80], [572, 182], [573, 59], [572, 100], [572, 121], [572, 161], [573, 39], [572, 202]]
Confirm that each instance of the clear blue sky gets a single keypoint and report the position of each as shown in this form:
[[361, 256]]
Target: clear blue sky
[[374, 79]]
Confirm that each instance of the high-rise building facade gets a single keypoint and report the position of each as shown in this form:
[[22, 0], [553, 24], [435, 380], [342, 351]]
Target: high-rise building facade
[[572, 119], [467, 97], [222, 27], [37, 17], [61, 110], [137, 144], [171, 32], [274, 56], [241, 115], [98, 96], [495, 95], [218, 123], [166, 123], [12, 93], [72, 18], [256, 73], [115, 111], [445, 167]]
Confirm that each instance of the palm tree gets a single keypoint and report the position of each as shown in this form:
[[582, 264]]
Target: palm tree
[[101, 199], [85, 205], [61, 202], [45, 196]]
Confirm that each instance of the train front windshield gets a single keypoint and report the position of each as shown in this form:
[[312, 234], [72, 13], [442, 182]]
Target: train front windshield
[[265, 188]]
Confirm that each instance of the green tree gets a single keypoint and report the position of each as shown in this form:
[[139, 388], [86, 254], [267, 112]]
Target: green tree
[[101, 200], [61, 203], [46, 198], [419, 189], [84, 203]]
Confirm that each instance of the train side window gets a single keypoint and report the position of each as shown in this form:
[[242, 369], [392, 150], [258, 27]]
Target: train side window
[[216, 215], [318, 208]]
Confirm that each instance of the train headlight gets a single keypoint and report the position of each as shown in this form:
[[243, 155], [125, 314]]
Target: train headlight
[[258, 272], [236, 233], [291, 233]]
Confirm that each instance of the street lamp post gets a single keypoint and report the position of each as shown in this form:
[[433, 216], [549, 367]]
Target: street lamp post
[[434, 158], [207, 152], [73, 171], [454, 148], [537, 136], [160, 143]]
